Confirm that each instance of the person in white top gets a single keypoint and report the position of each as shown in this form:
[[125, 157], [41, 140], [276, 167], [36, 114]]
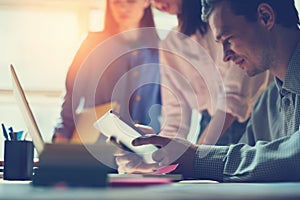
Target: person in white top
[[194, 77]]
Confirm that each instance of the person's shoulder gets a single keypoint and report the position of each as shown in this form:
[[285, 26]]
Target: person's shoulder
[[92, 39], [97, 36], [173, 33], [173, 38]]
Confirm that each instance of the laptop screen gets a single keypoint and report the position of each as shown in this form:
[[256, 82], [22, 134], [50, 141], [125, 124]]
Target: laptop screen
[[26, 112]]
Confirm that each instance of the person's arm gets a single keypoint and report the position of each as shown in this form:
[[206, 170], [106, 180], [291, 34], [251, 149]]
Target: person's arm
[[212, 133], [278, 160], [174, 150], [274, 161], [60, 138], [64, 129]]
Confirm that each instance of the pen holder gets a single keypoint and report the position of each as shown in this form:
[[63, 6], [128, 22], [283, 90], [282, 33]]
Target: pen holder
[[18, 160]]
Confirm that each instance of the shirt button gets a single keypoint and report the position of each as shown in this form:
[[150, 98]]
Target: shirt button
[[287, 102], [137, 98]]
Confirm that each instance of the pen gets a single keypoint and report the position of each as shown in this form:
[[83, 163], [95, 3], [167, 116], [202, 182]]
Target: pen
[[12, 134], [11, 129], [4, 132]]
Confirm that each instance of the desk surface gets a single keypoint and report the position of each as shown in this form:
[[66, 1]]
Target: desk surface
[[24, 190]]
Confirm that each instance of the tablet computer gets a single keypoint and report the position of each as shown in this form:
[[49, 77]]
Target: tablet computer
[[112, 125]]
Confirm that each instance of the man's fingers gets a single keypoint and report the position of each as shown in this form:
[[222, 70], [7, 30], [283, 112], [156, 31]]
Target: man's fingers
[[121, 152], [158, 155], [140, 168], [151, 139], [126, 158], [134, 165], [145, 129]]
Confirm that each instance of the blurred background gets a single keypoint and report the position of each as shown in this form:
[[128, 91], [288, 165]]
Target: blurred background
[[40, 38]]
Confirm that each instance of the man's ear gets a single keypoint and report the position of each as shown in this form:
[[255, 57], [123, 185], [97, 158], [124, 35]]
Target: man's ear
[[266, 15]]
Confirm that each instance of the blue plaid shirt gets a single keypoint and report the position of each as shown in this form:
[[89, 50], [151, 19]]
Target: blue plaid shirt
[[270, 147]]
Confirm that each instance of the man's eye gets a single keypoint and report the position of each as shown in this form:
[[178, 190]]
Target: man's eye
[[227, 40]]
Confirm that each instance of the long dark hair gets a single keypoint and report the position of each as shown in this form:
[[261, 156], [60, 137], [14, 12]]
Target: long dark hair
[[111, 25], [190, 18]]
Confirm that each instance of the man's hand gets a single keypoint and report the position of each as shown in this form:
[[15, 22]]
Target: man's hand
[[129, 162], [132, 163], [172, 151], [145, 129]]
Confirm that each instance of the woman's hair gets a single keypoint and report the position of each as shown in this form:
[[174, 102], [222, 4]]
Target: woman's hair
[[111, 25], [190, 18]]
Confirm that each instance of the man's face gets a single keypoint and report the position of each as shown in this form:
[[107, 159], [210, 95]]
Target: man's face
[[243, 41]]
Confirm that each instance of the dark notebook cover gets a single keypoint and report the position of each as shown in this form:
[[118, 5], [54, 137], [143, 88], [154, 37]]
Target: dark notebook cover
[[74, 165]]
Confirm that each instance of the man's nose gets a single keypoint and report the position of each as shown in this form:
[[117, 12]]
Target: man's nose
[[227, 55]]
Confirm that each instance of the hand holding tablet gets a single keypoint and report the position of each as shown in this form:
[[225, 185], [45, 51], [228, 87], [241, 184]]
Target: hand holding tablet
[[113, 126]]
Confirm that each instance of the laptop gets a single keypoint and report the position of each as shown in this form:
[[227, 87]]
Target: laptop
[[30, 122], [57, 162], [32, 126]]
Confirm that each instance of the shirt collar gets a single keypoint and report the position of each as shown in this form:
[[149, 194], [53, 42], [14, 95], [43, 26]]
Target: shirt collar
[[292, 77]]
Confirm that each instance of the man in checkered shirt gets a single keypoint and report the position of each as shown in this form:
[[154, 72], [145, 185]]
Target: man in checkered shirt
[[257, 35]]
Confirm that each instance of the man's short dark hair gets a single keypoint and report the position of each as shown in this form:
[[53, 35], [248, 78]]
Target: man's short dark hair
[[285, 10]]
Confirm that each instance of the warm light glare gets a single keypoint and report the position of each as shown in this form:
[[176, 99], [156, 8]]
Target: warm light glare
[[40, 38], [40, 43], [96, 22]]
